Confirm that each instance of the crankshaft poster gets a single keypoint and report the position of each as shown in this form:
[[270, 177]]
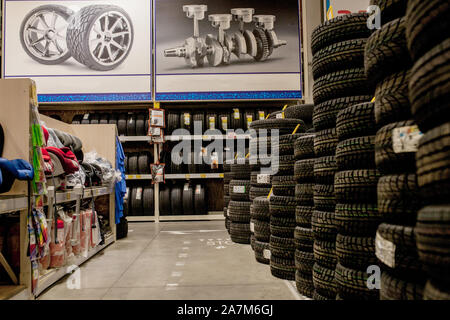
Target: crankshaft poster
[[231, 49], [80, 50]]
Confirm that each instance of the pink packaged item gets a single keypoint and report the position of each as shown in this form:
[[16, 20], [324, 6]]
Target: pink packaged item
[[58, 247], [76, 231], [85, 231]]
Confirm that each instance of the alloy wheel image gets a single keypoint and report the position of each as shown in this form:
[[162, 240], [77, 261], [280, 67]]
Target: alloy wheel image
[[100, 36], [43, 34]]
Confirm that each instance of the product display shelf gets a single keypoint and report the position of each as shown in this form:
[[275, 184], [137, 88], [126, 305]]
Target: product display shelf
[[187, 137], [13, 204], [211, 216], [182, 176], [51, 276]]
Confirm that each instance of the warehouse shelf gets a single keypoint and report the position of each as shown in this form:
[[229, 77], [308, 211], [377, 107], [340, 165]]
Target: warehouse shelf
[[212, 216], [12, 204], [182, 176], [135, 139], [73, 195], [230, 136], [53, 275]]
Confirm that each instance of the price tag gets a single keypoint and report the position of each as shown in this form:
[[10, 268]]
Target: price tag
[[406, 139], [262, 115], [237, 114], [249, 120], [385, 251], [280, 115], [228, 212], [187, 119], [263, 179], [186, 187], [221, 175], [86, 116], [266, 254], [198, 189], [203, 176], [225, 123], [138, 177], [68, 196], [212, 123], [252, 227], [239, 189], [139, 194], [188, 176]]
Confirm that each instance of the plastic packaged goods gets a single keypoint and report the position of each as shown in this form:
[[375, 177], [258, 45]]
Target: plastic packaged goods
[[85, 231], [68, 234], [76, 233], [96, 237], [44, 261], [58, 246]]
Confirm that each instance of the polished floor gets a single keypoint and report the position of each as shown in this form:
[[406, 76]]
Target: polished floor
[[179, 261]]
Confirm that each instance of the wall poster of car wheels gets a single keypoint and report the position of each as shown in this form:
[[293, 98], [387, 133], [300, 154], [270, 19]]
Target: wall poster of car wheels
[[230, 49], [80, 51]]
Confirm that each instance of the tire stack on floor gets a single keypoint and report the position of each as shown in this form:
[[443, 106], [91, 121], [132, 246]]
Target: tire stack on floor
[[226, 192], [355, 188], [340, 81], [282, 202], [304, 194], [429, 91], [260, 215], [388, 64], [239, 206]]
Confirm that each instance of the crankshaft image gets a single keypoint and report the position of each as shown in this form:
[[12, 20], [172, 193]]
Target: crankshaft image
[[258, 44]]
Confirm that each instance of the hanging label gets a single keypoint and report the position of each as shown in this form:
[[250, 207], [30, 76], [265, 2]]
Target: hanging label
[[139, 194], [385, 251], [266, 254], [86, 116], [212, 123], [60, 233], [225, 123], [406, 139], [252, 227], [263, 179], [198, 189], [187, 119], [239, 189], [186, 187], [280, 115], [249, 120], [237, 114], [262, 115]]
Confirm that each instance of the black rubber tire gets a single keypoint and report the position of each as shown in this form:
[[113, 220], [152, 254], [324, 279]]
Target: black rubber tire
[[399, 199], [240, 184], [274, 114], [324, 282], [260, 209], [165, 208], [239, 211], [352, 284], [236, 123], [356, 186], [176, 200], [282, 206], [63, 12], [404, 261], [122, 124], [301, 111], [429, 87], [94, 118], [282, 227], [285, 165], [392, 99], [386, 159], [104, 118], [433, 238], [304, 284], [282, 268], [148, 201], [325, 142], [303, 215], [324, 225], [433, 291], [283, 186], [325, 114], [339, 56], [188, 200], [259, 248], [318, 297], [200, 203], [173, 122], [256, 192], [426, 25], [304, 239], [78, 33], [304, 262], [386, 51], [390, 9], [77, 119], [304, 194], [325, 169], [357, 219], [113, 118], [140, 125], [285, 126], [285, 144], [144, 163], [240, 232], [324, 198], [282, 247], [241, 170], [131, 125], [341, 28], [393, 288], [339, 84], [304, 171], [356, 121], [304, 147], [262, 231], [325, 253], [136, 202], [133, 167], [356, 252], [356, 153]]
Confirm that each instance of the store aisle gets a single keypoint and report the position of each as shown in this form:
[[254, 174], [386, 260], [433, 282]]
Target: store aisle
[[186, 261]]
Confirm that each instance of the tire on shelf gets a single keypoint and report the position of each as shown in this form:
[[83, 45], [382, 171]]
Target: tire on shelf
[[164, 202], [131, 125], [148, 201], [356, 186], [188, 200], [200, 204], [304, 147], [94, 118], [173, 121], [133, 166], [301, 111], [283, 186], [136, 201], [144, 163], [104, 118], [176, 200], [122, 124], [140, 125]]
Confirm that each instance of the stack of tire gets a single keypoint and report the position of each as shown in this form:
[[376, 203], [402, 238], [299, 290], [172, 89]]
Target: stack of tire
[[355, 188], [188, 199], [339, 82], [239, 206], [226, 192], [138, 163], [429, 46], [388, 63], [304, 194], [140, 201]]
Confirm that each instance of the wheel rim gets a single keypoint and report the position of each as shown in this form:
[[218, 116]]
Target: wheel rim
[[110, 38], [45, 35]]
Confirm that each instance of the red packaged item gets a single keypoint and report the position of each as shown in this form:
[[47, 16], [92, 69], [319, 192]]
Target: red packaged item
[[85, 231], [58, 246], [76, 232], [68, 235]]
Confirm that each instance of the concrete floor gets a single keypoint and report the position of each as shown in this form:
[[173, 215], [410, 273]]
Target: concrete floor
[[178, 261]]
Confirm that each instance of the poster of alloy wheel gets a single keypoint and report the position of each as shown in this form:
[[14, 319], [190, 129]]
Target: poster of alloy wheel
[[80, 51], [227, 50]]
